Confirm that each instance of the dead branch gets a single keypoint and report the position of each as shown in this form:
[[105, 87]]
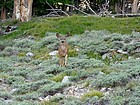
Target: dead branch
[[123, 12], [89, 7], [77, 9], [56, 10], [104, 9], [52, 8]]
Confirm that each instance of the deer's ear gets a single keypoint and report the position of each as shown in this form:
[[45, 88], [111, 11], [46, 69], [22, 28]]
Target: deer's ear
[[57, 34], [68, 34]]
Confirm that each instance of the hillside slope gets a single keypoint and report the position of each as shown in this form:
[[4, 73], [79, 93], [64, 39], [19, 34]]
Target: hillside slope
[[103, 67], [75, 24]]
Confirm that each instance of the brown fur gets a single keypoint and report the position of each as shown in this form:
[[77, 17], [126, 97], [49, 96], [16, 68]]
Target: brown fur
[[63, 49]]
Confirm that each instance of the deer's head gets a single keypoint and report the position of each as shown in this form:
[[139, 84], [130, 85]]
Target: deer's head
[[62, 39]]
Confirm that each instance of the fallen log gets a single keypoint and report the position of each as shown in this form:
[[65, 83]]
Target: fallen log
[[125, 15]]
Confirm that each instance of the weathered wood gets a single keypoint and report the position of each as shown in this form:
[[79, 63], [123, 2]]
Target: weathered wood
[[22, 10], [56, 11], [135, 6], [89, 7], [125, 15], [3, 13], [78, 9], [52, 8]]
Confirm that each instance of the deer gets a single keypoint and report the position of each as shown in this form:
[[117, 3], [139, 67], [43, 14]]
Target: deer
[[63, 49]]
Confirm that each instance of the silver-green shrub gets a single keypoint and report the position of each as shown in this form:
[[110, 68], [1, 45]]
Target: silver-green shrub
[[24, 43]]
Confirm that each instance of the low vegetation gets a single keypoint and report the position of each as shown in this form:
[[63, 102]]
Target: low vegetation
[[103, 61], [75, 24]]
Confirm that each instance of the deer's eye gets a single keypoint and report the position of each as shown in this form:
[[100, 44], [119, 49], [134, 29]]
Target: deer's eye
[[62, 41]]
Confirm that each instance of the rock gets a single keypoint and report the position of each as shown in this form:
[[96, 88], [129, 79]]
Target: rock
[[110, 89], [40, 65], [1, 80], [31, 37], [106, 90], [137, 50], [66, 79], [53, 53], [100, 73], [122, 52], [13, 91], [8, 101], [76, 48], [58, 94], [106, 93], [75, 91], [130, 57], [29, 54], [40, 98], [47, 98], [106, 55], [103, 89]]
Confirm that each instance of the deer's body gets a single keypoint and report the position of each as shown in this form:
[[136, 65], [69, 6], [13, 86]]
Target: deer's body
[[62, 49]]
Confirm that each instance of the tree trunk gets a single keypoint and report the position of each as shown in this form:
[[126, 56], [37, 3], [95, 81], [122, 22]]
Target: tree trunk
[[123, 6], [30, 3], [135, 6], [17, 11], [22, 10], [3, 13], [14, 10]]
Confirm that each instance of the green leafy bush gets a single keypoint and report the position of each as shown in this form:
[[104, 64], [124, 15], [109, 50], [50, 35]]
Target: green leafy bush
[[72, 52], [59, 77], [92, 93]]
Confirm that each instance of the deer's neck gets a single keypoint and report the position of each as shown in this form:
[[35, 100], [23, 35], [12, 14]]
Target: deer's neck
[[63, 46]]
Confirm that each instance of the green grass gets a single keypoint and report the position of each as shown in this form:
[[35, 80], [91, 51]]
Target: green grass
[[75, 24], [92, 93]]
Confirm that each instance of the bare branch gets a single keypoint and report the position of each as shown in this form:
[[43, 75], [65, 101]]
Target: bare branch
[[56, 10], [52, 7], [77, 9], [89, 7]]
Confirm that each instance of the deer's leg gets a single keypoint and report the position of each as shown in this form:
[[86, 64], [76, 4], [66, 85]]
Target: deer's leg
[[66, 59], [61, 61]]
